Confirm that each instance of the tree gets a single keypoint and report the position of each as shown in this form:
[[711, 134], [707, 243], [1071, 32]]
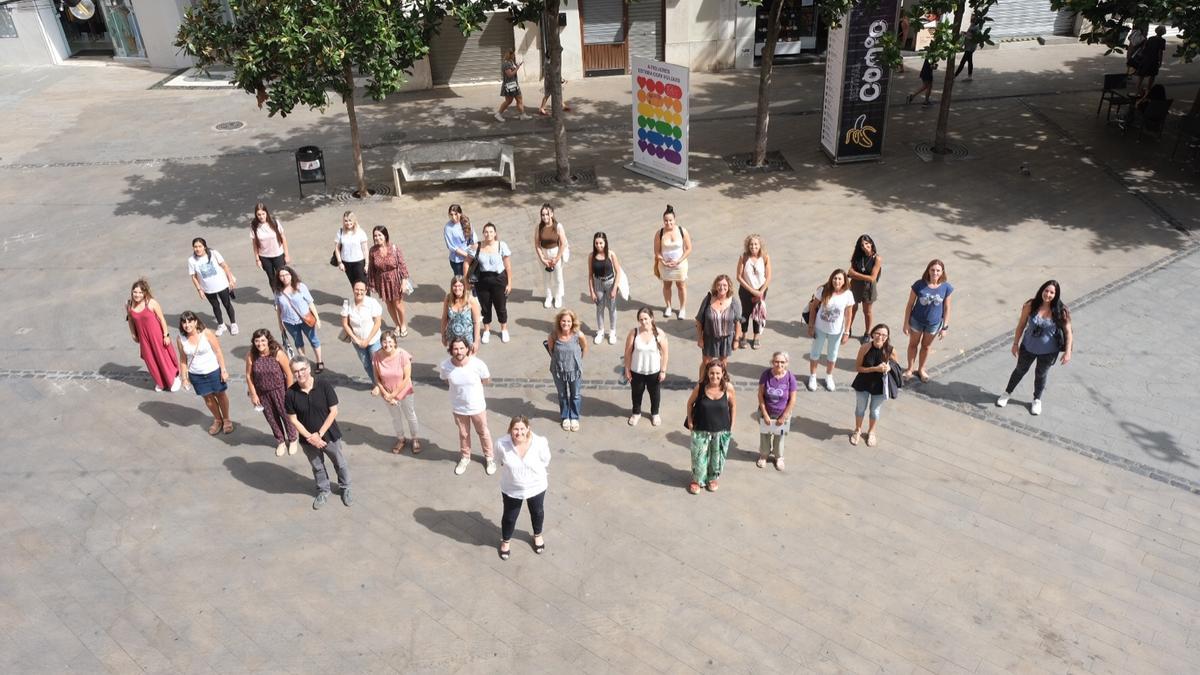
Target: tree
[[294, 52], [546, 13]]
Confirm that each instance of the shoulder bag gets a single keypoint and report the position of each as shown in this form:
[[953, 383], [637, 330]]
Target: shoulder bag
[[308, 317]]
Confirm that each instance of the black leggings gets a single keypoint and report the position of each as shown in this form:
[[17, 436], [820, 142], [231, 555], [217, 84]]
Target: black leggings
[[490, 291], [747, 301], [512, 509], [224, 297], [968, 60], [272, 266], [356, 271], [641, 383], [1026, 359]]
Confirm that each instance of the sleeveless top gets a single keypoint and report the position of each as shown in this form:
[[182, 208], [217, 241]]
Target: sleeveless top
[[672, 250], [872, 383], [711, 415], [201, 358], [268, 374], [755, 271], [602, 269], [460, 324], [864, 265], [646, 358], [1041, 335], [566, 361]]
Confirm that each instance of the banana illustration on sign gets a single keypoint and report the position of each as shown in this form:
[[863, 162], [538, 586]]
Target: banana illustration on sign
[[860, 133]]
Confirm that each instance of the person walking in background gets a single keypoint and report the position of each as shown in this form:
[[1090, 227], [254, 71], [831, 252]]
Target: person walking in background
[[387, 274], [466, 375], [902, 31], [777, 388], [753, 276], [1151, 59], [550, 246], [971, 41], [268, 245], [312, 408], [1043, 330], [458, 237], [350, 249], [874, 363], [567, 346], [603, 271], [393, 382], [926, 81], [510, 87], [524, 458], [268, 376], [460, 315], [296, 311], [672, 246], [362, 319], [865, 267], [493, 269], [203, 365], [711, 410], [717, 329], [1133, 52], [927, 315], [827, 325], [149, 330], [646, 355], [214, 281]]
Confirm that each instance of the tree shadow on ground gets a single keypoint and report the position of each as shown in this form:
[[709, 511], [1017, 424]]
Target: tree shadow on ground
[[269, 477], [1161, 446], [466, 527], [641, 466]]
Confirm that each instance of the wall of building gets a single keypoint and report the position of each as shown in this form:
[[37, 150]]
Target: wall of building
[[159, 22], [701, 34], [30, 47]]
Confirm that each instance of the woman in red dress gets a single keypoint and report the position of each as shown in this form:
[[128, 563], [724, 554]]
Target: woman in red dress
[[149, 329]]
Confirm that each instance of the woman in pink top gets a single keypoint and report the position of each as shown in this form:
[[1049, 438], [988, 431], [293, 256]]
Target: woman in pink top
[[149, 329], [393, 381]]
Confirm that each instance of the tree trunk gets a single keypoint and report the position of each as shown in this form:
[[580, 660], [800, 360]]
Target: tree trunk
[[943, 123], [348, 97], [553, 78], [764, 84]]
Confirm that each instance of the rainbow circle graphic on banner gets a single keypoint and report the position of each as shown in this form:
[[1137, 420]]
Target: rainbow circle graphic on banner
[[659, 120]]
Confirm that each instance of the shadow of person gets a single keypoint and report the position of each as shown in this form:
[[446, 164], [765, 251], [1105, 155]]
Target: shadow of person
[[971, 395], [173, 414], [470, 528], [641, 466], [427, 293], [423, 325], [508, 408], [357, 433], [252, 294], [749, 371], [816, 429], [684, 440], [269, 477], [134, 376], [542, 327], [327, 298]]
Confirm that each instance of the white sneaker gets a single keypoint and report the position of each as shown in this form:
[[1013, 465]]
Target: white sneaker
[[566, 425], [294, 447], [489, 466], [1002, 401], [504, 335], [655, 420], [233, 329], [574, 425], [549, 301], [829, 382], [612, 337], [679, 313], [667, 312], [486, 337], [157, 388], [633, 420], [812, 382], [176, 384], [220, 330], [599, 336], [499, 117], [558, 302], [461, 467], [524, 116], [1036, 408], [281, 450]]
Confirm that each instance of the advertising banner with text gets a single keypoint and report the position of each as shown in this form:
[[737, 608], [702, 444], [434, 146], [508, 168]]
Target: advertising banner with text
[[854, 114], [660, 120]]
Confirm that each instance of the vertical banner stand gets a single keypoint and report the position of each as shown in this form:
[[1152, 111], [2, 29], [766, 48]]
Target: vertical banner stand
[[660, 121]]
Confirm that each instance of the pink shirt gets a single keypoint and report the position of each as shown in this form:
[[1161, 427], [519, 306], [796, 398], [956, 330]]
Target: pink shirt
[[391, 370]]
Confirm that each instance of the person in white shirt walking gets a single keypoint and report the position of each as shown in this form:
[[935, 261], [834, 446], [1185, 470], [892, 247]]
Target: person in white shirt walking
[[524, 457], [214, 281], [466, 375]]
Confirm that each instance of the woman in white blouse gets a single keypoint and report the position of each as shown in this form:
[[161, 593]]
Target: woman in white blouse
[[523, 458], [350, 249]]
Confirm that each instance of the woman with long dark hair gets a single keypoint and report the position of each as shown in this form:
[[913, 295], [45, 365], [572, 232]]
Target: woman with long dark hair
[[865, 266], [460, 315], [927, 315], [672, 246], [386, 274], [711, 410], [203, 366], [458, 238], [1043, 331], [603, 271], [524, 457], [268, 375], [214, 281], [297, 314], [493, 270], [827, 326], [870, 385], [550, 246], [148, 328], [645, 364], [268, 245]]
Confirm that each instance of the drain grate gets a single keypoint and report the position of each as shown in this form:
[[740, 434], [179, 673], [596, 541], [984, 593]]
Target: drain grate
[[584, 179], [740, 163], [925, 151], [345, 194], [232, 125]]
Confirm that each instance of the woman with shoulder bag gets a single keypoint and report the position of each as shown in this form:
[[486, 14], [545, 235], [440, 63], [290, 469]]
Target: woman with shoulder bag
[[489, 261], [510, 87], [350, 250], [387, 275], [871, 384], [645, 364], [711, 410], [718, 330], [672, 246], [296, 311], [203, 366], [552, 251]]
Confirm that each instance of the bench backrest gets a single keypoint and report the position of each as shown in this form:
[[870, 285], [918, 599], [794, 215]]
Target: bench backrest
[[1115, 82], [451, 152]]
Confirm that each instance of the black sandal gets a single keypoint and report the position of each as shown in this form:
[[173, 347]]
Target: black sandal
[[539, 548], [320, 367], [503, 553]]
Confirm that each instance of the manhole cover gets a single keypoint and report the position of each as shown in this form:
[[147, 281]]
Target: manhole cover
[[583, 178], [230, 126], [954, 151], [740, 163]]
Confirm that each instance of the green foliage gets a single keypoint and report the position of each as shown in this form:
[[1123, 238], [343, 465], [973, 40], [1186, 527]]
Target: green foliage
[[948, 40], [1110, 18]]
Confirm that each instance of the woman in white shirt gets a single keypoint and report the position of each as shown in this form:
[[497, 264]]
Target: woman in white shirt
[[645, 364], [827, 325], [213, 280], [362, 319], [523, 459], [350, 249], [753, 276]]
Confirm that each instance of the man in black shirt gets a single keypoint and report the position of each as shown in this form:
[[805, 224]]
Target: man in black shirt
[[311, 406], [1151, 58]]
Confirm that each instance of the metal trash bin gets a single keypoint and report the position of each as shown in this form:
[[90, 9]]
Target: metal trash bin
[[310, 167]]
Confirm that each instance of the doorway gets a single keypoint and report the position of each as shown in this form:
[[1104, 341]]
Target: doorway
[[603, 26], [111, 32]]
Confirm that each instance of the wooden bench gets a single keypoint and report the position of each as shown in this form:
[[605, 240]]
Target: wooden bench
[[455, 160]]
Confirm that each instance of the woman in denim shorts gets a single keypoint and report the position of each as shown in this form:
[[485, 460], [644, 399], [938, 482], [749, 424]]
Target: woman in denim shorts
[[927, 315]]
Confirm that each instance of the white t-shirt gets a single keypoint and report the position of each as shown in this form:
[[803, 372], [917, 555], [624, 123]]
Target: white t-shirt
[[268, 243], [212, 276], [832, 313], [466, 385], [362, 317], [351, 244]]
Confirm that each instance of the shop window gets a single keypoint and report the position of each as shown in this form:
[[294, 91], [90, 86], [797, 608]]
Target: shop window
[[8, 29]]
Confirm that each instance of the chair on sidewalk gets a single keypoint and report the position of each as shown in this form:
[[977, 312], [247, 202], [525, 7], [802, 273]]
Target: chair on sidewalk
[[1116, 93]]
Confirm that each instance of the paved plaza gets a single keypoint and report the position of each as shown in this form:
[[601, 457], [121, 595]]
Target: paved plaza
[[972, 539]]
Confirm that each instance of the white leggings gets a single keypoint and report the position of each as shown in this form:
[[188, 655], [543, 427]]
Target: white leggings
[[404, 409], [553, 281]]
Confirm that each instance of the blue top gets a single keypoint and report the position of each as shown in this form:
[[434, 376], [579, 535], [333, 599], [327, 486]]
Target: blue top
[[1041, 336], [928, 307], [294, 305], [493, 262], [453, 234], [566, 359]]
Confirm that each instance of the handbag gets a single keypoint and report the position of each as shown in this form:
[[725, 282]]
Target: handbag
[[473, 270], [333, 261], [308, 318], [511, 87]]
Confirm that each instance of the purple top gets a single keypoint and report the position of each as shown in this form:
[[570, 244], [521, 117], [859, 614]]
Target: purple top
[[777, 391]]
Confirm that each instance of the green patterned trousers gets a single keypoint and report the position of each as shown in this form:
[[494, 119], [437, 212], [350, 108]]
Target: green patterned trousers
[[709, 449]]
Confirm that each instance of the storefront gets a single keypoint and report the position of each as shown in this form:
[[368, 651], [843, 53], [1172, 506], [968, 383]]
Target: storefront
[[139, 32], [800, 30], [455, 58]]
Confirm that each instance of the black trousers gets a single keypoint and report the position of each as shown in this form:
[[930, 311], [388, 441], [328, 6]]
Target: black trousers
[[356, 271], [968, 60], [271, 267], [490, 291], [640, 384], [512, 509], [221, 298], [747, 301], [1026, 359]]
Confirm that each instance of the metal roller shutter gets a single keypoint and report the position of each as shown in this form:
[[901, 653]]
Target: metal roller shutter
[[603, 22], [1064, 23], [645, 29], [1013, 18], [455, 58]]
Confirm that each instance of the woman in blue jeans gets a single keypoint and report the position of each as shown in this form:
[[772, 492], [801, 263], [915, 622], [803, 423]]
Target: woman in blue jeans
[[870, 385], [1043, 331], [292, 303], [362, 319], [567, 347], [927, 316]]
